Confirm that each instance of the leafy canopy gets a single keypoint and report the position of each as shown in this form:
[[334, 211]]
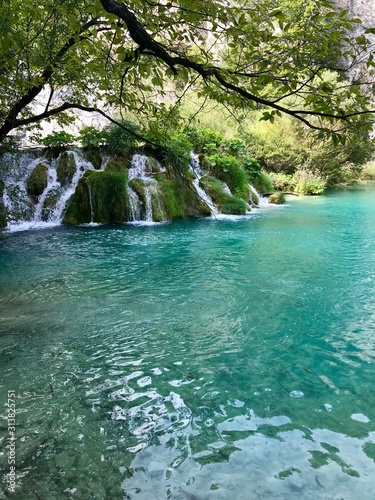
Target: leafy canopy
[[139, 55]]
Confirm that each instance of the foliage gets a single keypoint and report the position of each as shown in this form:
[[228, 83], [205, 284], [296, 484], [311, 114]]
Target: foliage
[[308, 184], [121, 141], [134, 57], [90, 137], [203, 140], [37, 181], [58, 140], [117, 165], [263, 183], [228, 169], [368, 172], [277, 198], [283, 182], [301, 182]]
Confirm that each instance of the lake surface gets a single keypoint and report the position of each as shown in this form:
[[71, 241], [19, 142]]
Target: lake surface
[[201, 359]]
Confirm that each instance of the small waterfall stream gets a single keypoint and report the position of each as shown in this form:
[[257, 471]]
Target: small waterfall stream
[[198, 174]]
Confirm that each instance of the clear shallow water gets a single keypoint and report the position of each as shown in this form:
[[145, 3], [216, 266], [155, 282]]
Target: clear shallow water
[[198, 359]]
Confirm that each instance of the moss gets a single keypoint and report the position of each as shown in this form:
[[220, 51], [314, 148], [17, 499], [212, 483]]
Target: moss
[[227, 169], [78, 210], [66, 168], [117, 165], [50, 204], [263, 183], [37, 181], [3, 215], [138, 186], [172, 202], [277, 198], [100, 197], [94, 156], [227, 203]]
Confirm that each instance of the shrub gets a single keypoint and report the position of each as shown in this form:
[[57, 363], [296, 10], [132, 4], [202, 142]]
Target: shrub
[[90, 137], [277, 198], [308, 184], [283, 182], [203, 139], [368, 172], [58, 140], [264, 183], [119, 141], [252, 168]]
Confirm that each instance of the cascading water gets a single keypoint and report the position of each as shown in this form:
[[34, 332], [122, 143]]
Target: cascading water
[[142, 168], [145, 199], [198, 174], [22, 213]]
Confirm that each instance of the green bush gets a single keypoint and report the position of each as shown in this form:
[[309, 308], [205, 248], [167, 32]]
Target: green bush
[[121, 141], [58, 140], [228, 169], [252, 168], [308, 184], [203, 140], [66, 168], [277, 198], [283, 182], [90, 137], [368, 172], [263, 183]]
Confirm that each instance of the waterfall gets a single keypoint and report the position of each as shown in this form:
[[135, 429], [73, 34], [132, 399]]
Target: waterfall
[[52, 184], [148, 203], [142, 168], [81, 166], [134, 205], [198, 174], [49, 207]]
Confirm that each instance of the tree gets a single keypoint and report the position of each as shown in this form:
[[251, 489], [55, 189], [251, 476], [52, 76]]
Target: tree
[[266, 54]]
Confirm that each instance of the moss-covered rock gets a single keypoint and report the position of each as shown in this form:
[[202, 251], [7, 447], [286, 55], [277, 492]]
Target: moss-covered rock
[[66, 168], [277, 198], [37, 181], [3, 215], [227, 203], [2, 187], [94, 156], [117, 164], [180, 197], [50, 204], [99, 197], [138, 185]]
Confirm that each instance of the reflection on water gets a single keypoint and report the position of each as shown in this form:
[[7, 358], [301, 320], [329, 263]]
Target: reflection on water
[[200, 359]]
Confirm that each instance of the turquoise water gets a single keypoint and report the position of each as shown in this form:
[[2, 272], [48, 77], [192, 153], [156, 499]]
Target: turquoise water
[[201, 359]]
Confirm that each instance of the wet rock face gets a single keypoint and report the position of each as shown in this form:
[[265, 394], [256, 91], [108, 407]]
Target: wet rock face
[[66, 168], [37, 181]]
